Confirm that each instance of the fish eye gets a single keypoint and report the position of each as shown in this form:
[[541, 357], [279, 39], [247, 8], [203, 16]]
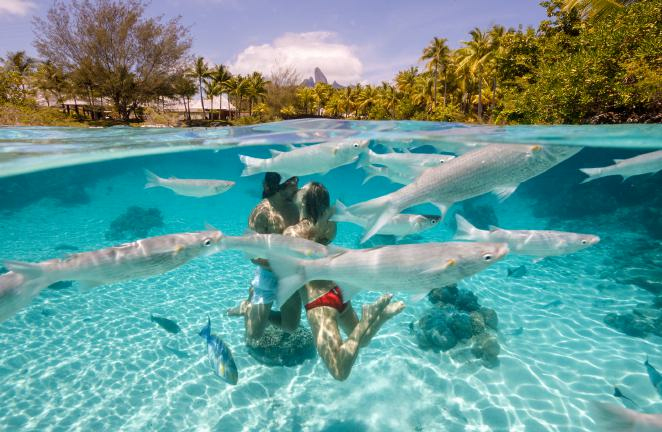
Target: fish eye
[[487, 257], [356, 145], [206, 242], [584, 242], [434, 221]]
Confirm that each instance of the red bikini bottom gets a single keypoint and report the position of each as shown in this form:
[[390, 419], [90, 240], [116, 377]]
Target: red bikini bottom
[[333, 298]]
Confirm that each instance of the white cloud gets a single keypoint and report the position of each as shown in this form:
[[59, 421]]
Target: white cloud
[[16, 7], [304, 52]]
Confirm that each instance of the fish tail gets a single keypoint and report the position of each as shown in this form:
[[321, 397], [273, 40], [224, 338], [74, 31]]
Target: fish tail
[[613, 418], [291, 276], [386, 215], [341, 214], [206, 330], [510, 270], [372, 171], [29, 270], [466, 231], [252, 165], [592, 173], [152, 179]]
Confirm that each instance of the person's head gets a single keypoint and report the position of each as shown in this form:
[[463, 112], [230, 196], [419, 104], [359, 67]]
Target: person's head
[[272, 185], [314, 200]]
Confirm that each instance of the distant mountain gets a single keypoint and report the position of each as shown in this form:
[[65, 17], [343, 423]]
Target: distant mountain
[[319, 77]]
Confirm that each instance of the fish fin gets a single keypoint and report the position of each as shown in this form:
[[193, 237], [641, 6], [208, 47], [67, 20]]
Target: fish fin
[[152, 179], [210, 227], [592, 173], [537, 260], [493, 228], [206, 330], [275, 153], [29, 270], [386, 215], [443, 266], [372, 171], [364, 159], [504, 192], [290, 147], [618, 160], [341, 214], [399, 238], [252, 165], [291, 276], [443, 208], [418, 296], [466, 231], [87, 285], [510, 271]]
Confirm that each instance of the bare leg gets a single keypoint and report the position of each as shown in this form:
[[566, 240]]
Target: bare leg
[[257, 319], [339, 356], [348, 319], [289, 316]]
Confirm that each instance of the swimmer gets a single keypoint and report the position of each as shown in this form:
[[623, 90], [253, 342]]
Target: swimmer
[[325, 309], [272, 215]]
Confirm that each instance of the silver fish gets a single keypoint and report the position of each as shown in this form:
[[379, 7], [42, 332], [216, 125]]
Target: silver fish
[[400, 226], [408, 164], [391, 174], [315, 159], [197, 188], [411, 268], [139, 259], [496, 168], [643, 164], [538, 243], [263, 245], [220, 356]]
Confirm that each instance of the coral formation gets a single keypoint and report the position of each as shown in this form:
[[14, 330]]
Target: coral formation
[[135, 223], [278, 348], [457, 317]]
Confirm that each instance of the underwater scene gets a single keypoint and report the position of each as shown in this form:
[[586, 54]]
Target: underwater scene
[[528, 260]]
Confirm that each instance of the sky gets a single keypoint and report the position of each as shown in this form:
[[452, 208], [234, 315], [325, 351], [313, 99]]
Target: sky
[[351, 41]]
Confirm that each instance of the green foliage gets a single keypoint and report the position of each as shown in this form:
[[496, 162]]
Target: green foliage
[[10, 87]]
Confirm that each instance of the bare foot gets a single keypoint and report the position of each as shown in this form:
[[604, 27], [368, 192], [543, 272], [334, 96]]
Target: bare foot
[[240, 310], [388, 312], [372, 312]]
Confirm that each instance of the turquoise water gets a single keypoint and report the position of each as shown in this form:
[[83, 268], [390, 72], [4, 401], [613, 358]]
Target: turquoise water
[[83, 361]]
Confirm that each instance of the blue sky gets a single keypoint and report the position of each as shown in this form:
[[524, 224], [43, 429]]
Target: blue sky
[[351, 41]]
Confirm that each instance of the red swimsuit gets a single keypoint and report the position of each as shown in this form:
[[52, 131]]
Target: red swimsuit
[[333, 298]]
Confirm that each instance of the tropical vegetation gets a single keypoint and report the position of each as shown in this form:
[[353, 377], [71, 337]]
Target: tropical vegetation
[[590, 61]]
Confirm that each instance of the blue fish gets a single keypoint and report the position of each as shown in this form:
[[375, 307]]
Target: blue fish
[[517, 272], [220, 356], [629, 403], [655, 377]]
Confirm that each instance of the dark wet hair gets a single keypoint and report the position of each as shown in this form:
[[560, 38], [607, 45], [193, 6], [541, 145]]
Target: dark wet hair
[[270, 184], [315, 201]]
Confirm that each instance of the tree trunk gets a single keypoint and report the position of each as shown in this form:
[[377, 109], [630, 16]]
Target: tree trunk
[[480, 99], [211, 108], [445, 79], [202, 101], [493, 101], [434, 103]]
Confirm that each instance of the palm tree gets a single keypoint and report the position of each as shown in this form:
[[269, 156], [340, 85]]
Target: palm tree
[[437, 52], [20, 63], [51, 79], [476, 54], [201, 72], [422, 93], [495, 36], [322, 94], [210, 91], [405, 80], [306, 97], [220, 75], [256, 89], [388, 98], [592, 8]]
